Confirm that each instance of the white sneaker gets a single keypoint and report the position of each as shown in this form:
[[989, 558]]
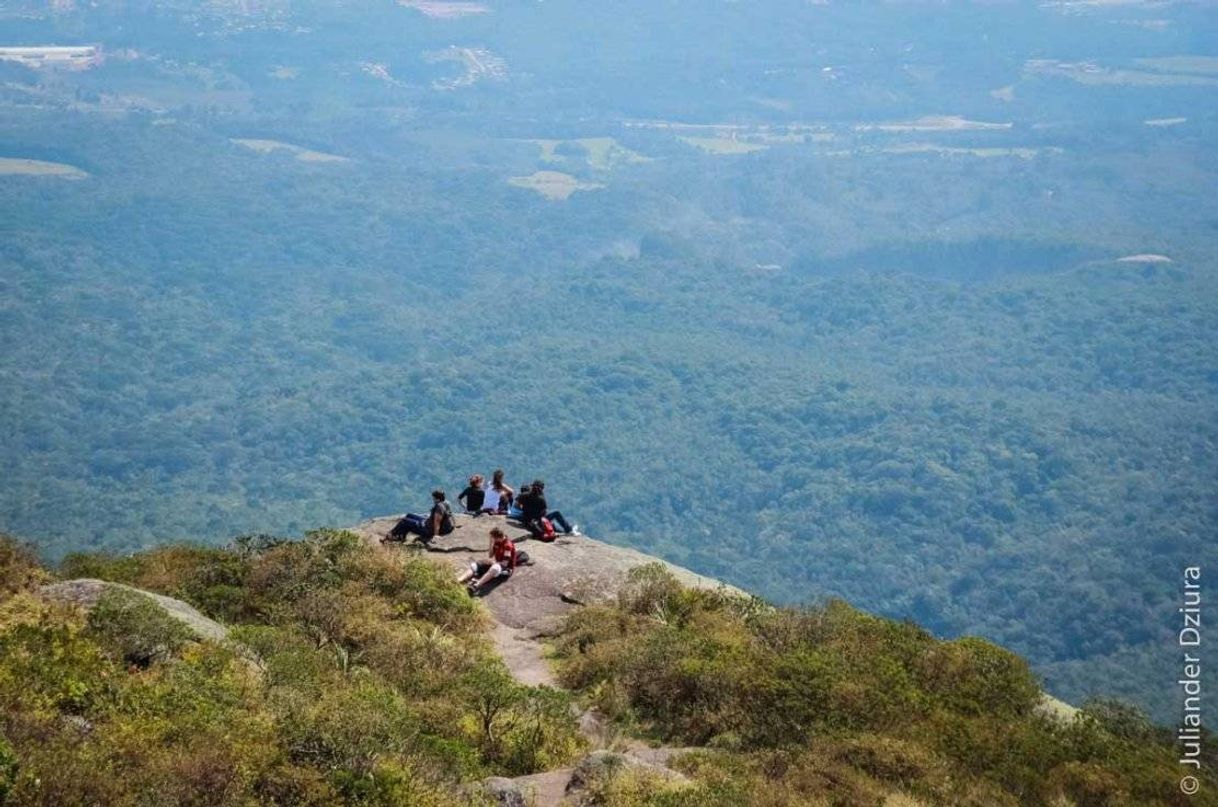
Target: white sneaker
[[575, 530]]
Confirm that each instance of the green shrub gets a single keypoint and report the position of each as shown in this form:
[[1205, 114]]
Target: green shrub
[[19, 567], [49, 668], [1123, 721], [209, 578], [542, 734], [974, 677], [829, 700], [8, 769], [134, 628]]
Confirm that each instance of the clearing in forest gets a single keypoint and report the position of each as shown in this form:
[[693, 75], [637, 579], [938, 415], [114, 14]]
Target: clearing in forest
[[935, 123], [553, 185], [723, 145], [437, 9], [299, 152], [601, 153], [14, 166], [1093, 74]]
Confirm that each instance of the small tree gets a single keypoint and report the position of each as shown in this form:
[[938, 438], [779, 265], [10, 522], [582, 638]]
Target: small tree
[[134, 628], [491, 693]]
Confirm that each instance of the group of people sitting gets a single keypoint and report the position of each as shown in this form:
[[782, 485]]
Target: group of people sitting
[[529, 507]]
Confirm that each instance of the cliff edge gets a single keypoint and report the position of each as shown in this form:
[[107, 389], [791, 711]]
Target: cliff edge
[[561, 575]]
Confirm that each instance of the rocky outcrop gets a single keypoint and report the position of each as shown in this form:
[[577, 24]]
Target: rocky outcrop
[[600, 765], [86, 592], [561, 576], [571, 571], [504, 792], [529, 607]]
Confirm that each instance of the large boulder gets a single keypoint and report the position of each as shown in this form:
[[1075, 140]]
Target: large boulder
[[601, 765], [563, 574], [504, 792], [86, 592]]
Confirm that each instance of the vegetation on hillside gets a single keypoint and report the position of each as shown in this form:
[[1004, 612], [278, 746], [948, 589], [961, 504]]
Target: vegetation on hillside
[[352, 676], [363, 677], [829, 705]]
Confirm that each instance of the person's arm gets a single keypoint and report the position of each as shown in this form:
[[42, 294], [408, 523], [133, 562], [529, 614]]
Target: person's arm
[[435, 521], [461, 498]]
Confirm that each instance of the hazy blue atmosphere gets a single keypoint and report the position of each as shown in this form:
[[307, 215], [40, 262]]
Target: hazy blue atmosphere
[[915, 304]]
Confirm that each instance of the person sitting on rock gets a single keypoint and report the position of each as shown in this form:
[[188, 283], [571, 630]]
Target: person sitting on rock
[[473, 497], [438, 522], [500, 493], [514, 510], [534, 508], [500, 562]]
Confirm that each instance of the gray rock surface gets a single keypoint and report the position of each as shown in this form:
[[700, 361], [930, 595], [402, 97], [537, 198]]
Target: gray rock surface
[[570, 571], [600, 764], [505, 792], [528, 607], [85, 592]]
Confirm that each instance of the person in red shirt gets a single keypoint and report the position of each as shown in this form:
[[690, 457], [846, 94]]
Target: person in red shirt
[[500, 562]]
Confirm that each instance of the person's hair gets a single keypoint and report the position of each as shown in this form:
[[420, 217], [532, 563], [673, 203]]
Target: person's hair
[[524, 489], [498, 533], [538, 485], [438, 495], [497, 478], [476, 479]]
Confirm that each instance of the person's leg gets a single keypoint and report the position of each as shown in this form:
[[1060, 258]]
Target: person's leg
[[494, 571], [469, 573], [477, 568], [557, 519]]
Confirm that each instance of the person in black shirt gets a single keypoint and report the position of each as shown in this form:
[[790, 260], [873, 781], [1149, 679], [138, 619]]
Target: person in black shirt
[[440, 520], [474, 495], [533, 507]]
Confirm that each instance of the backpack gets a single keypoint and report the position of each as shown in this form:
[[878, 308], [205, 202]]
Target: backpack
[[547, 530]]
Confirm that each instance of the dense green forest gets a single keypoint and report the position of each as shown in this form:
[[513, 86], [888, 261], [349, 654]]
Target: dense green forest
[[790, 333], [354, 675]]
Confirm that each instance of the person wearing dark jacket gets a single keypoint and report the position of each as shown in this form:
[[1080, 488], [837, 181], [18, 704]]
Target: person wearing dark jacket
[[533, 507]]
